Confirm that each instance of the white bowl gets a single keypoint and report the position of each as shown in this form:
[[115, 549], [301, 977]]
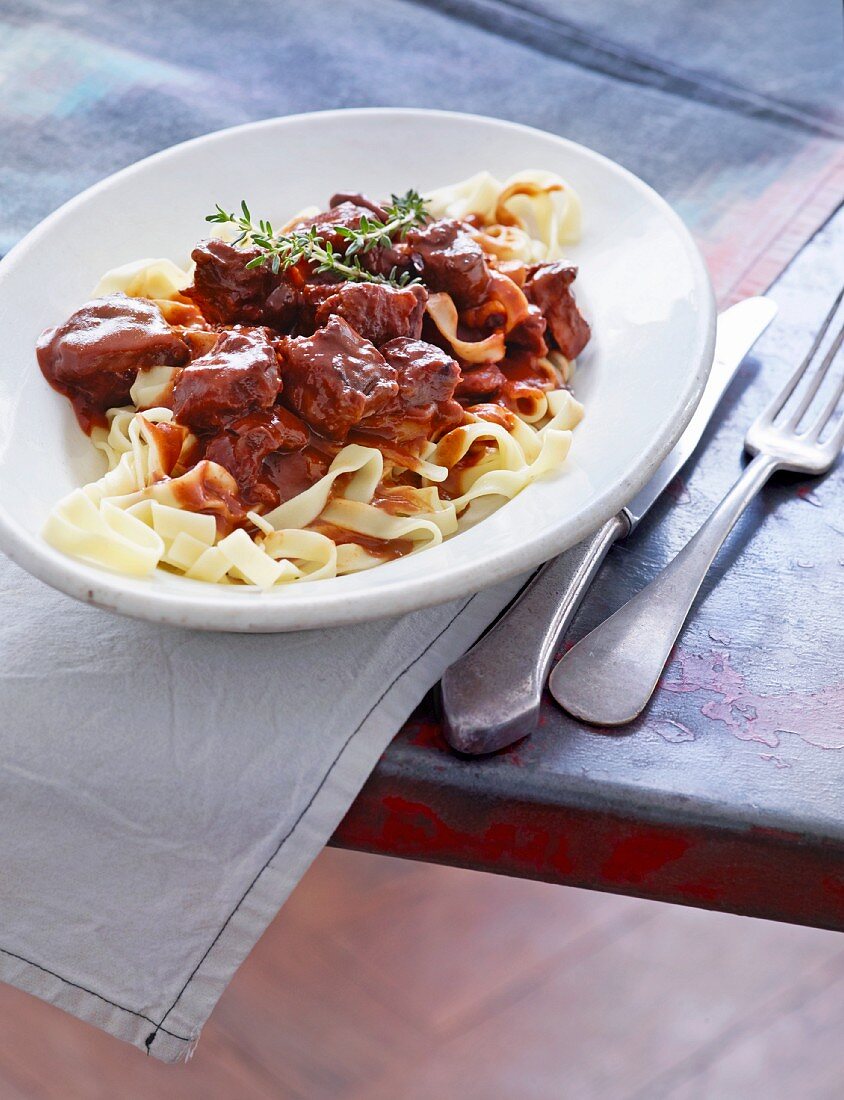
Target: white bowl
[[642, 285]]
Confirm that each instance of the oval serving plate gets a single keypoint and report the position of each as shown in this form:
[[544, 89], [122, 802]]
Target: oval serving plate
[[642, 285]]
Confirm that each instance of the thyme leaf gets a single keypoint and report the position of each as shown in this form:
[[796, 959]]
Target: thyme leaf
[[283, 250]]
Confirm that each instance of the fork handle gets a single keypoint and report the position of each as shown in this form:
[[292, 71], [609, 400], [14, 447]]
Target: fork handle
[[491, 695], [609, 676]]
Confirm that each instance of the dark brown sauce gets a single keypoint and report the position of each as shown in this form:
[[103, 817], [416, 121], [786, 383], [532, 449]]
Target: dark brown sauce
[[169, 439], [495, 414], [291, 474], [387, 549], [210, 489], [450, 488], [522, 366], [526, 380], [401, 454], [181, 314], [88, 415]]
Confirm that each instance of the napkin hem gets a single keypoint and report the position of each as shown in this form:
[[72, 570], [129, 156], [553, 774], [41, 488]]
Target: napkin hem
[[85, 1003]]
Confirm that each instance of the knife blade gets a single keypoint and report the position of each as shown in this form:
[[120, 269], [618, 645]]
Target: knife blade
[[739, 327], [491, 695]]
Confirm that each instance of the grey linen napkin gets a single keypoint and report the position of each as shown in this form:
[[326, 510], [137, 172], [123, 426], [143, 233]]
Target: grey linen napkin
[[162, 791]]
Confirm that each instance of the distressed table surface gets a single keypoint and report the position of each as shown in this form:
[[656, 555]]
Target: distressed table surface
[[727, 792]]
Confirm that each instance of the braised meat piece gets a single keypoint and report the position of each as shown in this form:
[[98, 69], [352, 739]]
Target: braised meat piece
[[283, 307], [346, 211], [94, 356], [424, 407], [239, 374], [243, 445], [229, 292], [355, 198], [335, 378], [376, 311], [530, 333], [549, 287], [347, 214], [387, 261], [449, 259], [225, 289], [484, 381]]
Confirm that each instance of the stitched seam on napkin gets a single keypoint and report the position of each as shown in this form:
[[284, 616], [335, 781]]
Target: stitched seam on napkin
[[151, 1037], [91, 992]]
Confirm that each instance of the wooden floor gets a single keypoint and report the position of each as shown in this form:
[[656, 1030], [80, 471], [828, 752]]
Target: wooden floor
[[384, 980]]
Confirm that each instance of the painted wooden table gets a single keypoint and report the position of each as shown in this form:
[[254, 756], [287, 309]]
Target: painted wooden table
[[728, 792]]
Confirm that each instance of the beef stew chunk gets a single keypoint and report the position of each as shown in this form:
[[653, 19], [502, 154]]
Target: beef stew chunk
[[549, 287], [530, 333], [335, 378], [239, 374], [355, 198], [244, 444], [347, 214], [449, 259], [346, 210], [424, 407], [376, 311], [94, 357], [225, 289], [485, 381]]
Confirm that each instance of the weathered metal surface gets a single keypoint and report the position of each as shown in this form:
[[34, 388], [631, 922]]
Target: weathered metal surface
[[727, 793], [754, 870]]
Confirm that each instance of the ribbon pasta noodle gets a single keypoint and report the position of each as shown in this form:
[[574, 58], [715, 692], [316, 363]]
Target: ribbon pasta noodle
[[535, 213], [157, 507], [123, 522]]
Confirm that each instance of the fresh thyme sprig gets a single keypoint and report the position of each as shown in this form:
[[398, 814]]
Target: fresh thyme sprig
[[283, 250], [403, 213]]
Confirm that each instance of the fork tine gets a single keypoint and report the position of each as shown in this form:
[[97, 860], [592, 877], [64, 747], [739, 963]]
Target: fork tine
[[836, 440], [829, 407], [806, 399], [826, 412]]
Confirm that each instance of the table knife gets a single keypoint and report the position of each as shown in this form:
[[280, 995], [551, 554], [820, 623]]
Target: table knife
[[491, 695]]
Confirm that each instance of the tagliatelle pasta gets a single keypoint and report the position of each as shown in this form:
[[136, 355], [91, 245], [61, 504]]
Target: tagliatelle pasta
[[156, 279], [532, 214], [444, 314], [279, 422]]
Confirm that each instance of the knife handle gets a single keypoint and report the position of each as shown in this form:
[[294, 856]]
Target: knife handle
[[491, 695]]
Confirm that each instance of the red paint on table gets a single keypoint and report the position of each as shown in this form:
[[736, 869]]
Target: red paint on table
[[834, 886], [706, 893], [757, 871], [426, 735], [405, 826], [634, 859]]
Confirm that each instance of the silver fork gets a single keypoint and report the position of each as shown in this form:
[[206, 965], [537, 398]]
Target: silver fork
[[609, 676]]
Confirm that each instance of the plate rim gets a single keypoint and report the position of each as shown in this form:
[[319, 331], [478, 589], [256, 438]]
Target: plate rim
[[293, 611]]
